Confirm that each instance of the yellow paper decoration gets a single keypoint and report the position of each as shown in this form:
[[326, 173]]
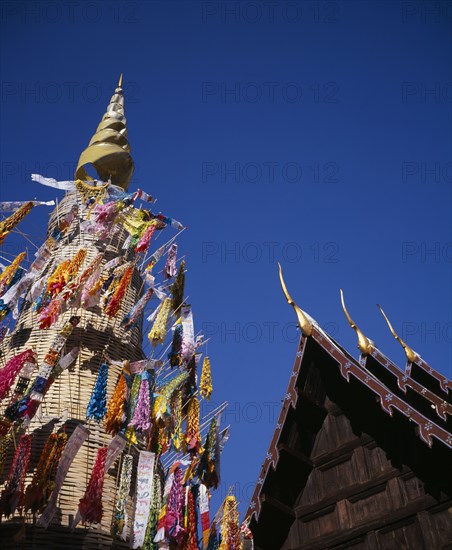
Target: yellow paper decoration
[[205, 385], [7, 276], [157, 334], [6, 226]]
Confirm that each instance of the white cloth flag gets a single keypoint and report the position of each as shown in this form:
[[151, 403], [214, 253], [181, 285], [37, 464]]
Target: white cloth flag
[[50, 182], [145, 478], [188, 333], [73, 444], [12, 206]]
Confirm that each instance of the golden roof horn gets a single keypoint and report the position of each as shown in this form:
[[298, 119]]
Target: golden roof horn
[[109, 151], [364, 344], [303, 321], [411, 355]]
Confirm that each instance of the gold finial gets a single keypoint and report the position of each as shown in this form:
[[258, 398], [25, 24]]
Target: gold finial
[[411, 355], [364, 344], [109, 151], [303, 321]]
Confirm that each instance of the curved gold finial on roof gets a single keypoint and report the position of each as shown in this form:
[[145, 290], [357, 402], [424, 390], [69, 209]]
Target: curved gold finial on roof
[[303, 321], [411, 355], [364, 344], [109, 150]]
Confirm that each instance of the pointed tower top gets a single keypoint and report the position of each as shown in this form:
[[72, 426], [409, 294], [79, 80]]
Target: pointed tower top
[[109, 151]]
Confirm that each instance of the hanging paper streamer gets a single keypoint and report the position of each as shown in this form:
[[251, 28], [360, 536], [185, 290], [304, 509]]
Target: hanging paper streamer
[[119, 525], [74, 296], [209, 466], [49, 314], [193, 436], [230, 532], [204, 514], [56, 282], [174, 530], [113, 282], [62, 275], [115, 448], [153, 514], [115, 302], [205, 385], [72, 293], [160, 535], [8, 273], [168, 221], [142, 416], [91, 291], [28, 405], [191, 542], [24, 378], [13, 491], [12, 368], [145, 478], [155, 257], [40, 488], [170, 267], [135, 222], [12, 206], [163, 393], [97, 406], [140, 194], [145, 240], [177, 290], [12, 295], [176, 414], [74, 443], [131, 319], [104, 216], [65, 362], [43, 254], [115, 417], [158, 332], [7, 225], [4, 307], [188, 336], [90, 507], [76, 264], [134, 392], [176, 346]]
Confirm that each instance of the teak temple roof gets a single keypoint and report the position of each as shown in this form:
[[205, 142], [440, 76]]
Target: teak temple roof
[[340, 410]]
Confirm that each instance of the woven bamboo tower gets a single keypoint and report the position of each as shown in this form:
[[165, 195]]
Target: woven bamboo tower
[[66, 401]]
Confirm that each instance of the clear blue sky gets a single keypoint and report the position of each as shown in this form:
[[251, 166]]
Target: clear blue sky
[[314, 133]]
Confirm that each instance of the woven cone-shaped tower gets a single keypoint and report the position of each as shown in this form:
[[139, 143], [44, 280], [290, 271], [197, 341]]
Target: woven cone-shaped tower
[[96, 334]]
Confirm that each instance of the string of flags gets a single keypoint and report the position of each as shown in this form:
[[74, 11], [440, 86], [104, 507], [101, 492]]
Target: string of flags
[[168, 455]]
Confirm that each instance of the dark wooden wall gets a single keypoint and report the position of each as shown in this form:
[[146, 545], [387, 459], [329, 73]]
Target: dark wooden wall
[[350, 476]]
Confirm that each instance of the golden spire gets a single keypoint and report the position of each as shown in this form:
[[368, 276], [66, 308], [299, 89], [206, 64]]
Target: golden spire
[[109, 151], [410, 354], [303, 321], [364, 344]]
